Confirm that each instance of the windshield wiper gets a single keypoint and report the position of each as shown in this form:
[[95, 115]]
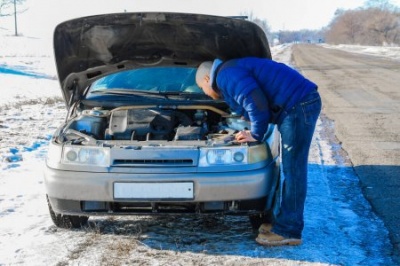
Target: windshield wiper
[[177, 93], [128, 92], [188, 95]]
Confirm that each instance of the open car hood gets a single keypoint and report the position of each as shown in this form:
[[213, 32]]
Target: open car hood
[[87, 48]]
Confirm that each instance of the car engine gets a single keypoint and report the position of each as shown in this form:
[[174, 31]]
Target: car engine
[[152, 124]]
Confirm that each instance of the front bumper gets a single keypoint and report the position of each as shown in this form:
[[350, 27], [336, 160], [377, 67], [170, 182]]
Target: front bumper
[[72, 192]]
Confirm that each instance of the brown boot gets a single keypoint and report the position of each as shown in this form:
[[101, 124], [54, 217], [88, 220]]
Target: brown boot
[[265, 228], [272, 239]]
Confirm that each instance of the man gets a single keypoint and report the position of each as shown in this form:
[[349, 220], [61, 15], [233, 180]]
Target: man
[[265, 91]]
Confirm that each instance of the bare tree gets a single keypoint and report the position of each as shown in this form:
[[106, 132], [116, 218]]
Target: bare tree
[[367, 26], [346, 28], [383, 26], [380, 4], [9, 8]]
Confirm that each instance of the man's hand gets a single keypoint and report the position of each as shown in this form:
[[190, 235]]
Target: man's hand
[[244, 136]]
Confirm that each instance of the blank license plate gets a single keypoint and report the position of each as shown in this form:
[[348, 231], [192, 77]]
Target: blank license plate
[[162, 191]]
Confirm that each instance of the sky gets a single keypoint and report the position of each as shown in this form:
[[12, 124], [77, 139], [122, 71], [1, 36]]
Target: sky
[[43, 15]]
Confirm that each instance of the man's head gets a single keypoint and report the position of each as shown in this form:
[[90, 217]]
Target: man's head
[[203, 79]]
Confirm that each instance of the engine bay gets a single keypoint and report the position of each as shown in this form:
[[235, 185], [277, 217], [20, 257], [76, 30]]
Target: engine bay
[[139, 124]]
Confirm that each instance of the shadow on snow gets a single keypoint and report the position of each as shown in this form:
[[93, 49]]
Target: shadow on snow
[[22, 71]]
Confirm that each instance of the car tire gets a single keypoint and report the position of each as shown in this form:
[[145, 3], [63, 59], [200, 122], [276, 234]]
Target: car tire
[[66, 221]]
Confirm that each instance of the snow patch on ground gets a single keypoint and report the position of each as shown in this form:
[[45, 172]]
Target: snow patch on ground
[[392, 52]]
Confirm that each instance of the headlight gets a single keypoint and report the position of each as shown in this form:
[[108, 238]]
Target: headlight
[[223, 156], [86, 156], [233, 155]]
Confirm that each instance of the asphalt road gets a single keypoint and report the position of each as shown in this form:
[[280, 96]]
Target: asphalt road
[[362, 95]]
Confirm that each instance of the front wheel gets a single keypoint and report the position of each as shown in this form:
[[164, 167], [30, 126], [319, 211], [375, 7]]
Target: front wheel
[[66, 221]]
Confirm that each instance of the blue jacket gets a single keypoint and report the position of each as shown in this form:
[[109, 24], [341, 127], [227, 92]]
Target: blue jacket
[[259, 89]]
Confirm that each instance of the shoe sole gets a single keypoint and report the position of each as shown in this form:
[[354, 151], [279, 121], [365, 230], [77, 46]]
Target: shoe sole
[[285, 242]]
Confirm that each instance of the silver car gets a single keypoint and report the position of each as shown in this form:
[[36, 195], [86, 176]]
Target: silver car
[[140, 136]]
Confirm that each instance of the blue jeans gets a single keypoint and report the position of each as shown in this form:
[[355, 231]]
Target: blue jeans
[[296, 129]]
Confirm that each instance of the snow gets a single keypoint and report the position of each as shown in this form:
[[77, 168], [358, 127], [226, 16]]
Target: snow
[[384, 51], [340, 227]]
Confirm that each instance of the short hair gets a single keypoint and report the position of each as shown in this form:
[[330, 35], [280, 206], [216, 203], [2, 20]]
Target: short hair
[[203, 70]]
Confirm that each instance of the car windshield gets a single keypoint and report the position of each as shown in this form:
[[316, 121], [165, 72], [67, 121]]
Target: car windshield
[[148, 81]]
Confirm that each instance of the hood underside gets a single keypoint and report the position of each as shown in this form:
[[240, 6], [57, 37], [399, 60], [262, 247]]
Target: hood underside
[[89, 47]]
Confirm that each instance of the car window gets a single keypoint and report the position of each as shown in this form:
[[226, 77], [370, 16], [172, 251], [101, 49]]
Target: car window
[[155, 80]]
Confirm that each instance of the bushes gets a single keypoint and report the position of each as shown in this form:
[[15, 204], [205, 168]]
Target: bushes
[[370, 26]]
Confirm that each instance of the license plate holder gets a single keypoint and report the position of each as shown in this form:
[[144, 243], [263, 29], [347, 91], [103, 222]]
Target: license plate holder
[[154, 190]]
